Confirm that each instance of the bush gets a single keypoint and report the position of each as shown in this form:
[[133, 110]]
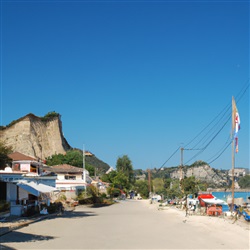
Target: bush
[[4, 206], [31, 211], [54, 207], [114, 192]]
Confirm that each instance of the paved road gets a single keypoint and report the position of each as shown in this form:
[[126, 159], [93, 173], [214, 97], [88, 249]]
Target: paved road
[[127, 225]]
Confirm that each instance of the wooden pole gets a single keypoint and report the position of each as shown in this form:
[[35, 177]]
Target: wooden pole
[[233, 153], [181, 168], [181, 174], [149, 181]]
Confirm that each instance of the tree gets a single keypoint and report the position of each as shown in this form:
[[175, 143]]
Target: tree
[[124, 165], [172, 188], [55, 159], [158, 185], [121, 181], [141, 187], [109, 177], [117, 180], [189, 186], [73, 158], [4, 151], [244, 182]]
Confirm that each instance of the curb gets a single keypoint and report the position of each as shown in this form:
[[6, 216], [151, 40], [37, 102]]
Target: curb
[[26, 223]]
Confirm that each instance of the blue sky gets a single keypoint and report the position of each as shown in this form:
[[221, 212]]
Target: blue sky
[[140, 78]]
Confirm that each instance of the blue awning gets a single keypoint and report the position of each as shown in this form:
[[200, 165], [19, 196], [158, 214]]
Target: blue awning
[[36, 188]]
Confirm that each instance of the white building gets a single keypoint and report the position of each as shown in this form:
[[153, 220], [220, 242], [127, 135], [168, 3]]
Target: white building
[[69, 178], [23, 185]]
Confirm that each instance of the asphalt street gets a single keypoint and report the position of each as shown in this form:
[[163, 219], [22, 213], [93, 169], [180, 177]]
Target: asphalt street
[[128, 224]]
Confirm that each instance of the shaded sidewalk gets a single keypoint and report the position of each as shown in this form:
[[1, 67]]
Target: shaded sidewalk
[[8, 224]]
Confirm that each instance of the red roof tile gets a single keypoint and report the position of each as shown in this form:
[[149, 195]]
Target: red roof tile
[[64, 168], [16, 156]]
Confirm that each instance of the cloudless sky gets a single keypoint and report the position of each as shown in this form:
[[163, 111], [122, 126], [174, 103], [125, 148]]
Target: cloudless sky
[[136, 78]]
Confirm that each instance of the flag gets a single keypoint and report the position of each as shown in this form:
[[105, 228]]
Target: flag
[[236, 124]]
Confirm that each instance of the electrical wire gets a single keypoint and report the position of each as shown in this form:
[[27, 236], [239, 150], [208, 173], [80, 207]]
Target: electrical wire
[[222, 118], [168, 159]]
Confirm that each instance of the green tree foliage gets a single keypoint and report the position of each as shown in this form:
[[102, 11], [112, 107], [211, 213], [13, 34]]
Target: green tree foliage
[[124, 165], [141, 187], [4, 151], [244, 182], [189, 185], [50, 115], [199, 163], [109, 177], [117, 180], [56, 159], [114, 192], [172, 187], [73, 158], [158, 185], [121, 181]]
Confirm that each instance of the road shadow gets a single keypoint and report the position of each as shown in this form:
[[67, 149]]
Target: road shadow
[[76, 214], [6, 248], [17, 237], [97, 205]]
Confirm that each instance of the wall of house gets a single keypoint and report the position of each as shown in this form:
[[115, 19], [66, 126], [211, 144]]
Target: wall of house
[[11, 193], [62, 176], [23, 195], [72, 194], [78, 176], [25, 167]]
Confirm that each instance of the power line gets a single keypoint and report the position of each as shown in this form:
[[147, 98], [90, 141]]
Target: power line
[[168, 159], [223, 117], [225, 113], [221, 152]]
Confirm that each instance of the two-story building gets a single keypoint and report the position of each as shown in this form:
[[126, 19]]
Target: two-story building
[[24, 184], [69, 179]]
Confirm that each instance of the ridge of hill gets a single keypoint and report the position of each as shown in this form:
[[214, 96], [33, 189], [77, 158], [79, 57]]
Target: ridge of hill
[[200, 170]]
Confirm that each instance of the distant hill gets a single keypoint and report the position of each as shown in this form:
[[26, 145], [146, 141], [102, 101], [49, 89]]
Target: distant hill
[[201, 170], [101, 167]]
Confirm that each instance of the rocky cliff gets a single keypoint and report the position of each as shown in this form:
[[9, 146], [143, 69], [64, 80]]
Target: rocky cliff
[[200, 170], [203, 173], [36, 136]]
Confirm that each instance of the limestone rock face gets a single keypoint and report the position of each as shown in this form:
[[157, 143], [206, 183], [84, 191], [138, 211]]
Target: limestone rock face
[[203, 173], [35, 136]]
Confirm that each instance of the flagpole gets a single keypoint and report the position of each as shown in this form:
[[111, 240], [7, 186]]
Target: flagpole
[[233, 164], [233, 153]]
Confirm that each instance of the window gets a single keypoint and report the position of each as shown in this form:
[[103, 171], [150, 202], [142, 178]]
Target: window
[[70, 177]]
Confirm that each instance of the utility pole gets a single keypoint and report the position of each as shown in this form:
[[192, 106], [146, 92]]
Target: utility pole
[[84, 171], [181, 166], [149, 181]]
